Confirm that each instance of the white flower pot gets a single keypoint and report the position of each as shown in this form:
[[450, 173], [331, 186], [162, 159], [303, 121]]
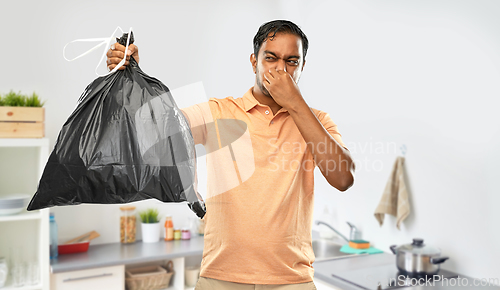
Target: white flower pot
[[150, 232]]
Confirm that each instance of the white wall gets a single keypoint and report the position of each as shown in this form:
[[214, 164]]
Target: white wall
[[424, 74], [420, 73], [181, 43]]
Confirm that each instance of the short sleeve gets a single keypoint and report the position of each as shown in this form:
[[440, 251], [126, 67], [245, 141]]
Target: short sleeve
[[198, 117], [330, 126]]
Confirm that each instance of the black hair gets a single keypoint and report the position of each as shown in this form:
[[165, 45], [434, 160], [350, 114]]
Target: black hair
[[274, 27]]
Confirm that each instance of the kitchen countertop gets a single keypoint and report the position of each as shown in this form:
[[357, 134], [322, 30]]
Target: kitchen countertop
[[105, 255], [113, 254], [323, 270]]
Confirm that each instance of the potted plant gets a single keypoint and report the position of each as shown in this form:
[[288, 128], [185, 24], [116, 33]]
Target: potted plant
[[21, 116], [150, 225]]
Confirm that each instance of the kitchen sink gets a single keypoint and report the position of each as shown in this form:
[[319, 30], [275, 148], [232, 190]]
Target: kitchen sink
[[327, 250]]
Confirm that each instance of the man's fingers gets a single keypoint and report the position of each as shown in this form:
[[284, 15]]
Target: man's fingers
[[114, 60], [135, 52], [283, 72], [270, 75], [265, 84], [115, 53], [132, 49], [119, 47], [267, 77]]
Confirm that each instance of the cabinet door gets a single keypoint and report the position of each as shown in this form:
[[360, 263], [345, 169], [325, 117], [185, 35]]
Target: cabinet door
[[109, 278]]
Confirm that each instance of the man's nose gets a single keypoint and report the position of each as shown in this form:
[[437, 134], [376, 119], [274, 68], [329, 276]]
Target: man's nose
[[281, 65]]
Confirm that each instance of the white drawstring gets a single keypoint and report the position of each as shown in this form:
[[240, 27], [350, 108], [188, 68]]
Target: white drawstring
[[103, 41]]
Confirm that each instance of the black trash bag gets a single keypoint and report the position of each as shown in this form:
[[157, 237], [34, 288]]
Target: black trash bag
[[126, 141]]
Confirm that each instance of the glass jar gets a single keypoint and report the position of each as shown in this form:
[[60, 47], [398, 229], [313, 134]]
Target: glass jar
[[127, 224], [177, 234], [201, 227], [185, 234]]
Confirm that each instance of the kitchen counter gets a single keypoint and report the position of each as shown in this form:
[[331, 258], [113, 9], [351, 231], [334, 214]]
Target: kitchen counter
[[325, 269], [105, 255], [113, 254]]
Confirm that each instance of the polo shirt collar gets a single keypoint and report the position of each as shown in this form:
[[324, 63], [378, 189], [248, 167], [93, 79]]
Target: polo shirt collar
[[249, 101]]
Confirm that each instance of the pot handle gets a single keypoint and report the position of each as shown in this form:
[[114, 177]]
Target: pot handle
[[438, 260], [393, 249]]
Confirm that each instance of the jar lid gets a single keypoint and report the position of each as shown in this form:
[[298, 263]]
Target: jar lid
[[127, 208], [417, 247]]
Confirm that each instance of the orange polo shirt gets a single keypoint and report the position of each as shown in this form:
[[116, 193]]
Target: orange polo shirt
[[260, 193]]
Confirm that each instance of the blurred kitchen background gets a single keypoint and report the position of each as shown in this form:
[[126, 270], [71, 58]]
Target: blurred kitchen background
[[424, 74]]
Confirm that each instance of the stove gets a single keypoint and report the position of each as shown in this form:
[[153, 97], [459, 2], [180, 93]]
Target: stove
[[387, 276]]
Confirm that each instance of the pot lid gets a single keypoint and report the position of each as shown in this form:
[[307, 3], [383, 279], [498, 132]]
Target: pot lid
[[419, 248]]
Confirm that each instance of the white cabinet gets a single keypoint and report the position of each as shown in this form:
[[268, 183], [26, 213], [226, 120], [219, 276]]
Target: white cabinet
[[320, 285], [109, 278], [26, 234], [113, 277]]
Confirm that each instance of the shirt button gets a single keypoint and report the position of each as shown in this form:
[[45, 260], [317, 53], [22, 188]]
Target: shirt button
[[267, 112]]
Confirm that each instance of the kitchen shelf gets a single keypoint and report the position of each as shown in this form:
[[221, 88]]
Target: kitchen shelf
[[113, 254], [29, 287], [24, 142], [31, 235], [23, 216]]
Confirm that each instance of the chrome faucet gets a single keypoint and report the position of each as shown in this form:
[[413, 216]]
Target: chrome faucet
[[337, 232]]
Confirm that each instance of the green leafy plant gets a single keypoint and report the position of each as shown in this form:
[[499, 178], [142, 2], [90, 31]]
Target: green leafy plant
[[12, 99], [18, 100], [149, 216], [34, 101]]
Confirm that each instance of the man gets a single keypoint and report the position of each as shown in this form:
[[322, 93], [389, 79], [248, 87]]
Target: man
[[258, 230]]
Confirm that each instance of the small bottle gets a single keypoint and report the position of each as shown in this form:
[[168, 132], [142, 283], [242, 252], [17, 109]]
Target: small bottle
[[177, 234], [185, 234], [53, 237], [169, 229]]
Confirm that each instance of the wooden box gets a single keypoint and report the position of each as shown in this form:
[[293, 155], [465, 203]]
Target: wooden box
[[22, 122]]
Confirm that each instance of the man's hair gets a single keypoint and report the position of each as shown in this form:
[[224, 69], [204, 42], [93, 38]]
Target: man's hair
[[270, 29]]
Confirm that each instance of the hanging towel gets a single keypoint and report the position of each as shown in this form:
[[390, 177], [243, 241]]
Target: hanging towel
[[394, 200]]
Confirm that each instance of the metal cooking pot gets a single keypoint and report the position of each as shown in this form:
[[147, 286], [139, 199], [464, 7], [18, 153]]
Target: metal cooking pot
[[417, 258]]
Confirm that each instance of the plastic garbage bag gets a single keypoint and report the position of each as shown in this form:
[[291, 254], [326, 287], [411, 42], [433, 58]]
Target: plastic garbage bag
[[126, 141]]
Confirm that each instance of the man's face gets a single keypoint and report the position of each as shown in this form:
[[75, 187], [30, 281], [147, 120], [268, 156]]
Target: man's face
[[283, 52]]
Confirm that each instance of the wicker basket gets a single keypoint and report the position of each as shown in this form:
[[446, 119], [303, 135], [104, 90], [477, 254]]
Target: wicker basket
[[149, 278]]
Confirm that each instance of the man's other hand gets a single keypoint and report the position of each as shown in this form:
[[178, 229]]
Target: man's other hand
[[116, 52]]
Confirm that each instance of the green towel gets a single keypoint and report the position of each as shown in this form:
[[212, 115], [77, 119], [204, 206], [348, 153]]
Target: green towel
[[348, 250]]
